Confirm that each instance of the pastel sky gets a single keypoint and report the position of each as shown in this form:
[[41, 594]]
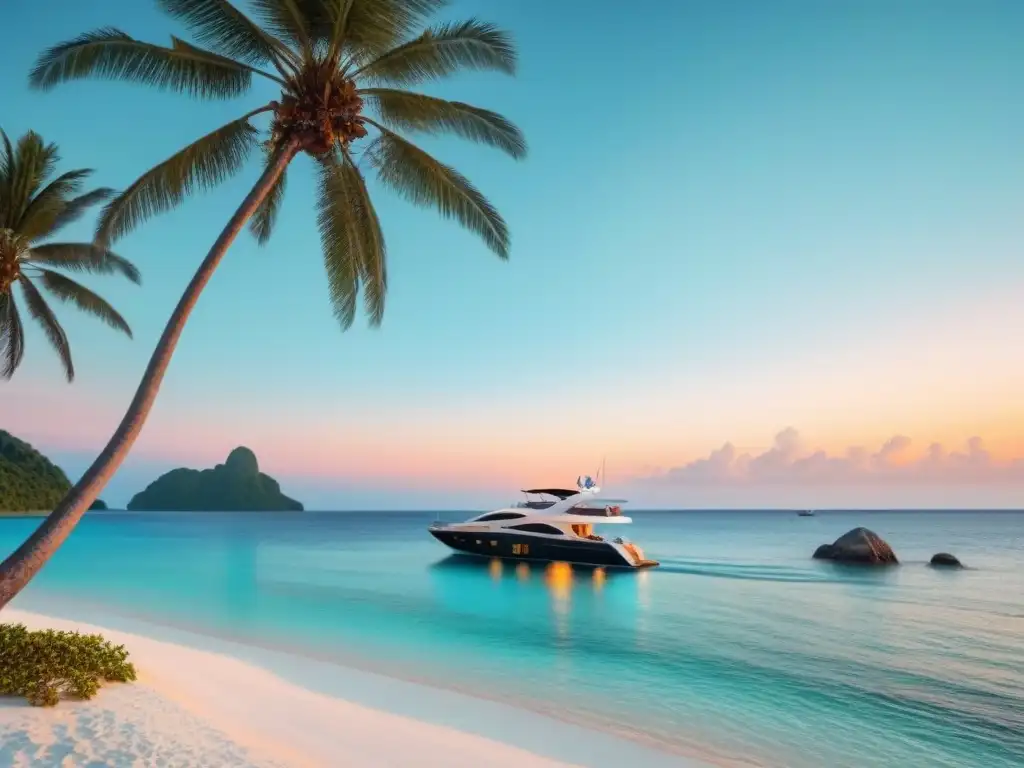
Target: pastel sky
[[788, 228]]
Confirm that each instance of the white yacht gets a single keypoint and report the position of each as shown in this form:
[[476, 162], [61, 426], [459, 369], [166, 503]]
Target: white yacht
[[553, 524]]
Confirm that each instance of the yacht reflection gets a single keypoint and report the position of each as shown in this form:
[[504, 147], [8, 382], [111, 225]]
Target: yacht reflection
[[558, 578], [523, 590], [555, 574]]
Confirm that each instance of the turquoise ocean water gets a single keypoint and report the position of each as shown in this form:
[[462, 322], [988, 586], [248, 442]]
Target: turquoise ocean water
[[739, 648]]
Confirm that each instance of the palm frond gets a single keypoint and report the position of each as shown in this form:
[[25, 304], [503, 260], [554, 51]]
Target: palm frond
[[6, 169], [443, 50], [32, 163], [111, 54], [339, 261], [7, 159], [177, 44], [262, 222], [220, 26], [202, 164], [37, 159], [44, 208], [368, 237], [375, 26], [425, 181], [76, 207], [83, 257], [12, 336], [338, 13], [66, 289], [328, 20], [352, 242], [288, 20], [40, 310], [404, 110]]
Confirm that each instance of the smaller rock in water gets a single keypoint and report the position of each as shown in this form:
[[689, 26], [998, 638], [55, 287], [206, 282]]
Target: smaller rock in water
[[946, 560]]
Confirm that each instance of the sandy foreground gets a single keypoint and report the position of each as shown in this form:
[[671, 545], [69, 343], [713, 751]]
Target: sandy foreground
[[193, 706]]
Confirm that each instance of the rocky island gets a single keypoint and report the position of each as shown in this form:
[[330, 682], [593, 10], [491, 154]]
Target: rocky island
[[237, 485], [29, 481]]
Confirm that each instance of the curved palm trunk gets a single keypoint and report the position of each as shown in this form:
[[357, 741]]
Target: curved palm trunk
[[19, 568]]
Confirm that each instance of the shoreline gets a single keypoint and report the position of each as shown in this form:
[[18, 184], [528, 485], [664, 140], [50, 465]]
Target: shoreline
[[221, 702]]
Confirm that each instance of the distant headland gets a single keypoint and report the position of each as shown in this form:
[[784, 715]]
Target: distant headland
[[29, 481], [237, 485]]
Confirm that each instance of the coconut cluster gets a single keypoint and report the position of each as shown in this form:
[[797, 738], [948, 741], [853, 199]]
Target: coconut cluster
[[321, 110], [11, 248]]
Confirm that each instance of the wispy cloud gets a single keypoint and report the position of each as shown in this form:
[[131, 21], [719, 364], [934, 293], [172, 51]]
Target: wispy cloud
[[788, 462]]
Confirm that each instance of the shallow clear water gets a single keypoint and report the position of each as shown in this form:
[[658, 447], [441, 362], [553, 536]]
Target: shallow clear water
[[739, 647]]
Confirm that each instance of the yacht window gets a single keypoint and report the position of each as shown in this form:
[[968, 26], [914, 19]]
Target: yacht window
[[536, 528], [500, 516]]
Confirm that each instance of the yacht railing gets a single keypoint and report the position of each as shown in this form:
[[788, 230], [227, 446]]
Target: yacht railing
[[437, 524]]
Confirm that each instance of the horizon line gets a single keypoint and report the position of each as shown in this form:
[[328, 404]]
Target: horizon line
[[816, 510]]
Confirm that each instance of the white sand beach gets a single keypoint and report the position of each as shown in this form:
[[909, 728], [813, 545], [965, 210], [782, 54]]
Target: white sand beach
[[200, 704], [194, 707]]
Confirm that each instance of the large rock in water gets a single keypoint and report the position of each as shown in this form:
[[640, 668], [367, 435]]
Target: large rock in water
[[858, 546], [237, 485], [945, 560]]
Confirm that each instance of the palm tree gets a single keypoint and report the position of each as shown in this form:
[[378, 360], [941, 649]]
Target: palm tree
[[33, 210], [340, 66]]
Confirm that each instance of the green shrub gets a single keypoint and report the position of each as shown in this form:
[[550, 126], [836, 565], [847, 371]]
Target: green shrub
[[42, 665]]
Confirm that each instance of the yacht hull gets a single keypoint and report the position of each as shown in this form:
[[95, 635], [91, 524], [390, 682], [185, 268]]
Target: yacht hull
[[512, 546]]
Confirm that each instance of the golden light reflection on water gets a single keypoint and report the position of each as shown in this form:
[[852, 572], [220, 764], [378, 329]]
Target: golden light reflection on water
[[559, 580], [558, 577], [495, 568], [643, 580], [643, 595]]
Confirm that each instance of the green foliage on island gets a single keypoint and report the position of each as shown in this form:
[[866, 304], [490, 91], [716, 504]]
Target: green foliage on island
[[45, 664], [237, 485], [99, 504], [28, 480]]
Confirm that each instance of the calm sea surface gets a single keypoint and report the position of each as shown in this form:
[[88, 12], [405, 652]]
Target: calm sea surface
[[739, 646]]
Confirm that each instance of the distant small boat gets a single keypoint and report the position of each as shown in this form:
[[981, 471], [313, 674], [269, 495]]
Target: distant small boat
[[805, 513]]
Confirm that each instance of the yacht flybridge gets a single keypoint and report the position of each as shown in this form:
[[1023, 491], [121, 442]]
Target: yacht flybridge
[[551, 524]]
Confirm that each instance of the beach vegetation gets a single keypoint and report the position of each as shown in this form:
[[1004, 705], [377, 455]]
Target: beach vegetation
[[342, 70], [35, 206], [46, 665]]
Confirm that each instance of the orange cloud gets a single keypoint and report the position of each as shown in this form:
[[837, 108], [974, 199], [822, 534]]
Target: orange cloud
[[788, 463]]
